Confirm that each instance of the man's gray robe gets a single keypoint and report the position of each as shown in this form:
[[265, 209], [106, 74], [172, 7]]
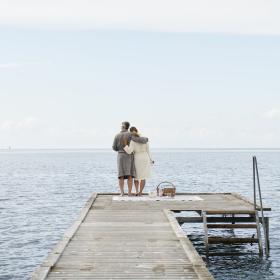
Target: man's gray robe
[[125, 161]]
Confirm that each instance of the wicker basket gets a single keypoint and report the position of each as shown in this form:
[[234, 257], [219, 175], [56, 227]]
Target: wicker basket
[[169, 190]]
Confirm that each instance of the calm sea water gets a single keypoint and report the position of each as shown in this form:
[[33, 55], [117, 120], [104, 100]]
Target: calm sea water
[[41, 193]]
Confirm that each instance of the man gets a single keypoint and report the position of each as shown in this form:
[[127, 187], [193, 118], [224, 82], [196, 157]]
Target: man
[[126, 169]]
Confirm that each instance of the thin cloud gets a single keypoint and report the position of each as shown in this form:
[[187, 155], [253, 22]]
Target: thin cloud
[[26, 123], [9, 65], [21, 64], [272, 113], [233, 16]]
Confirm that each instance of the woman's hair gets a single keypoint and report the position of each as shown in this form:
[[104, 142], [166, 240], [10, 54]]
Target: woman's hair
[[133, 129]]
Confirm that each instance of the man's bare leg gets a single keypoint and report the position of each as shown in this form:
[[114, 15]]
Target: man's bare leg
[[142, 185], [136, 184], [121, 185], [129, 184]]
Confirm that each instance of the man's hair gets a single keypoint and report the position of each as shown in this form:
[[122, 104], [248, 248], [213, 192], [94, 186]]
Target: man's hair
[[125, 125]]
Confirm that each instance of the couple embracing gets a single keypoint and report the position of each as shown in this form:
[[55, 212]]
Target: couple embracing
[[134, 160]]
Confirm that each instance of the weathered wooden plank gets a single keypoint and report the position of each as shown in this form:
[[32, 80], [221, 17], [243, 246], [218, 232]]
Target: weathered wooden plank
[[197, 262], [42, 271], [226, 211], [239, 196], [204, 217]]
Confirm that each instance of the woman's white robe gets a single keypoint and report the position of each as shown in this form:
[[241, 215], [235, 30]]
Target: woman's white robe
[[142, 159]]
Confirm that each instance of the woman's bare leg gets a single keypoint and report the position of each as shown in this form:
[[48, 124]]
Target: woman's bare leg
[[142, 186], [136, 184]]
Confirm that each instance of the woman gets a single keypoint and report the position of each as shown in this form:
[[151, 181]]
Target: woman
[[142, 160]]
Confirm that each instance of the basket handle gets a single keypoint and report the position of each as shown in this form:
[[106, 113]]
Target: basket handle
[[166, 182]]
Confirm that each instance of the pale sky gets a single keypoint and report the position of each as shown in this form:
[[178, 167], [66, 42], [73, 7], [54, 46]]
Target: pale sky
[[201, 74]]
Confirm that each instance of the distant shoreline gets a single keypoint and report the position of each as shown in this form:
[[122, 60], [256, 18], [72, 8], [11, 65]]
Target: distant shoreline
[[155, 149]]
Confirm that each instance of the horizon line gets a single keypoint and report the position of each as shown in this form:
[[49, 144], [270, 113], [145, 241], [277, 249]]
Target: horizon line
[[153, 148]]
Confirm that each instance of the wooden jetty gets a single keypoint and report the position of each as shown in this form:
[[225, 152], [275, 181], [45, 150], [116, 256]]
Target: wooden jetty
[[142, 239]]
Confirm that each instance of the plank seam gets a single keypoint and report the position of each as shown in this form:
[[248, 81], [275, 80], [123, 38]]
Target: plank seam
[[43, 270]]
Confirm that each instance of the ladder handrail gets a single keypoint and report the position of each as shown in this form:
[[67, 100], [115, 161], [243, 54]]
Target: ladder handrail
[[254, 183], [256, 176]]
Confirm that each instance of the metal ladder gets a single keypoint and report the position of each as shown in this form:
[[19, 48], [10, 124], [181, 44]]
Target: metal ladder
[[251, 221]]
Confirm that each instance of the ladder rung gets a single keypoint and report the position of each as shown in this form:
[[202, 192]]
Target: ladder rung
[[229, 253], [213, 212], [231, 240], [231, 225], [212, 219], [231, 219]]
